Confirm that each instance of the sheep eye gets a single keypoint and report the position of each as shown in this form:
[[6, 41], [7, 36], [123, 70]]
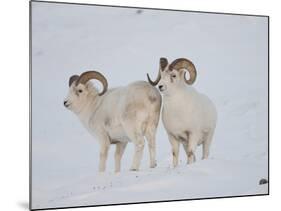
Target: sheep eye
[[174, 76], [80, 90]]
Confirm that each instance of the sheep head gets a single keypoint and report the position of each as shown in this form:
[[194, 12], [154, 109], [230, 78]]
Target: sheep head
[[174, 73], [80, 88]]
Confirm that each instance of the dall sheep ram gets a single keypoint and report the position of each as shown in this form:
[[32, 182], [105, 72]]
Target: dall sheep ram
[[116, 116], [189, 117]]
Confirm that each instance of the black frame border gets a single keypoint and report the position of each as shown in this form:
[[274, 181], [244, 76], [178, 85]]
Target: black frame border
[[145, 8]]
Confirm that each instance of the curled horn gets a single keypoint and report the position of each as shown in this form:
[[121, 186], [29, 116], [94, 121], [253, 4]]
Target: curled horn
[[163, 64], [72, 79], [86, 76], [183, 63]]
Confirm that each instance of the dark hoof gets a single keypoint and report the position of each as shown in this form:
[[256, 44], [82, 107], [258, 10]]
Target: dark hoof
[[263, 181], [153, 166]]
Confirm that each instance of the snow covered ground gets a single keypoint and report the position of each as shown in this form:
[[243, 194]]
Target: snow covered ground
[[230, 53]]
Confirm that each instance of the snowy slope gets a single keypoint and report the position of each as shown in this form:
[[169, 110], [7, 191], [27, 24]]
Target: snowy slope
[[230, 53]]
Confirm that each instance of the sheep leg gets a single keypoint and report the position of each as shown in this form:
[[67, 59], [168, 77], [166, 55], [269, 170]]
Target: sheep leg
[[139, 145], [104, 141], [191, 148], [138, 141], [185, 147], [103, 156], [120, 148], [175, 149], [152, 149], [206, 145]]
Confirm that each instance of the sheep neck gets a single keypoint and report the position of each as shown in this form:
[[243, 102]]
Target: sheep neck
[[89, 109], [177, 94]]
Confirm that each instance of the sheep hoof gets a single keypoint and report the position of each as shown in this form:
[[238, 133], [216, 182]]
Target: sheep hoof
[[153, 166], [133, 169], [263, 181]]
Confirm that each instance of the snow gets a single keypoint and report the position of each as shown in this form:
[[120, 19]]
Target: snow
[[230, 53]]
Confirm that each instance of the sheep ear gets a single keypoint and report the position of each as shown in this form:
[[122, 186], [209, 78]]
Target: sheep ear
[[88, 84], [163, 63], [182, 73]]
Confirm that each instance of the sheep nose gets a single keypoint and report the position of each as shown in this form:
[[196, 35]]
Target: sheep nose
[[64, 103], [160, 87]]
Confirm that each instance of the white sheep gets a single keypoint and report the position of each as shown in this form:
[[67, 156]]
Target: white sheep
[[189, 117], [116, 116]]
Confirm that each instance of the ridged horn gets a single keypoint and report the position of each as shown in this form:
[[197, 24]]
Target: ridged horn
[[183, 63], [86, 76], [163, 63], [72, 79]]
